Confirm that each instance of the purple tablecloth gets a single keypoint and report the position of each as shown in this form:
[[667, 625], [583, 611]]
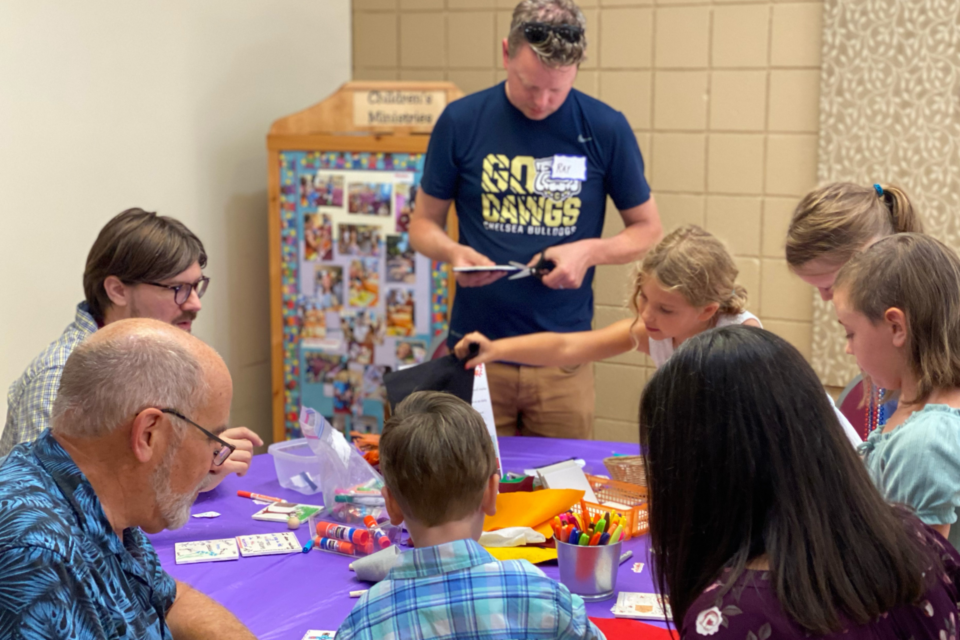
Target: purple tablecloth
[[281, 597]]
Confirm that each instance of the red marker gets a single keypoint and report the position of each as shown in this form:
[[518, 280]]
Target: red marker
[[258, 496]]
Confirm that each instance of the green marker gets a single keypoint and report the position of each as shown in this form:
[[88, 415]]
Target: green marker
[[584, 540]]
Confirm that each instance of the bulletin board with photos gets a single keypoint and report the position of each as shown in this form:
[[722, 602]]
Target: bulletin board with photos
[[355, 301]]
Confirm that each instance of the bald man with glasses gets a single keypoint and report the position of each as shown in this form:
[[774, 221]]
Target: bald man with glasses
[[141, 266]]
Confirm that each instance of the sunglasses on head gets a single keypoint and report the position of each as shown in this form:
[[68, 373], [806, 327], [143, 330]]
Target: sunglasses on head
[[537, 33]]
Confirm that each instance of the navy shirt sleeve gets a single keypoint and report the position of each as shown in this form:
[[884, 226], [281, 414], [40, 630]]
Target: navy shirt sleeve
[[440, 168], [625, 180]]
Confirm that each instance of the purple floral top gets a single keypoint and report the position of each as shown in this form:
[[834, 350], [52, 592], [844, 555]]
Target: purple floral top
[[751, 611]]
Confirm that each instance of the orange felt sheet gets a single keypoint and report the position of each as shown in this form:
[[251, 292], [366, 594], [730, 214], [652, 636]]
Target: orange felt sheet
[[534, 509]]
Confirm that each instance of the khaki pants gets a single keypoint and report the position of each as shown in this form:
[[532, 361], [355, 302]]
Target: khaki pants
[[555, 402]]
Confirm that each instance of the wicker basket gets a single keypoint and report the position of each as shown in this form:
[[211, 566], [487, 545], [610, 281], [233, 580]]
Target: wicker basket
[[627, 469]]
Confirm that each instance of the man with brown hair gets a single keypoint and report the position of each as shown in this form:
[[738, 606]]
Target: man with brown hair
[[141, 266], [529, 164], [441, 479]]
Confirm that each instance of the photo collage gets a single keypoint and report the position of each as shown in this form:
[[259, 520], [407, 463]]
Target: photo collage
[[364, 292]]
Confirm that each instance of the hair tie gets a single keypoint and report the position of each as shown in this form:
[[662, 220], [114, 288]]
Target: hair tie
[[878, 189]]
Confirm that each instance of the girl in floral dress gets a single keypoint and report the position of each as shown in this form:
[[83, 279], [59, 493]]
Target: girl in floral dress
[[763, 521]]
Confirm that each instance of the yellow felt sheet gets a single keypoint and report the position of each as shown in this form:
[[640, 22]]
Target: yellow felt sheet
[[535, 555], [534, 509]]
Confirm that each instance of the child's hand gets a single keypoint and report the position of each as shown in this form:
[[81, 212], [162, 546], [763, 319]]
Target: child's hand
[[462, 349]]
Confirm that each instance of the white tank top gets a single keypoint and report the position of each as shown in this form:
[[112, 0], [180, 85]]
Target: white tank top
[[661, 350]]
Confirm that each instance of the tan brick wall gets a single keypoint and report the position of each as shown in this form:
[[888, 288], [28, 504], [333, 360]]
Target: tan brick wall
[[723, 97]]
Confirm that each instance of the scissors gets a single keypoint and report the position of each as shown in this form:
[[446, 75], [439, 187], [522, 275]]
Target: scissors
[[540, 269]]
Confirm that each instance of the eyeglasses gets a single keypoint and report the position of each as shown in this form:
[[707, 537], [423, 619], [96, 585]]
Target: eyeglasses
[[181, 292], [537, 33], [220, 455]]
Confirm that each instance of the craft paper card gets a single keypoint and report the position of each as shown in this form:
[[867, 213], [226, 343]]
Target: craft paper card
[[534, 555], [644, 606], [532, 509], [206, 551], [269, 544], [484, 406], [320, 635], [275, 512], [567, 475]]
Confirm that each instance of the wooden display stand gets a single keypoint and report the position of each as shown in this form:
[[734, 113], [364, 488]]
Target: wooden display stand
[[369, 120]]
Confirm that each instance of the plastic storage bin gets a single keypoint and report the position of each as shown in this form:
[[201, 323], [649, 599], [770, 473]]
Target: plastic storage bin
[[297, 466]]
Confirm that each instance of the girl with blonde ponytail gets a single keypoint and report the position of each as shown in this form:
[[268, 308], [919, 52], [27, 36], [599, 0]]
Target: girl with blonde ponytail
[[684, 286], [835, 222]]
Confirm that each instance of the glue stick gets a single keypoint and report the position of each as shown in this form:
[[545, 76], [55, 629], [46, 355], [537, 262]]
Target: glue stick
[[339, 546], [379, 537], [348, 534]]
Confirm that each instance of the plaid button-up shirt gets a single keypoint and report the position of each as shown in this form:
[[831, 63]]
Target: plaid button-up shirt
[[458, 590], [30, 400]]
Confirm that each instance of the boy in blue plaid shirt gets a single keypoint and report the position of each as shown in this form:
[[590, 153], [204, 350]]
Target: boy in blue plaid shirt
[[441, 478]]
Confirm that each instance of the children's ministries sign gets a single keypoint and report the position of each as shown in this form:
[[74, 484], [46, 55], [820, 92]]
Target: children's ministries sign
[[397, 108]]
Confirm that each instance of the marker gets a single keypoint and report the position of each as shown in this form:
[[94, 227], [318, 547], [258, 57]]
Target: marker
[[379, 537], [615, 536], [309, 545], [594, 539], [606, 518], [258, 496], [574, 536], [604, 539], [567, 530], [337, 546], [625, 556], [584, 539], [369, 501], [585, 513], [358, 537], [601, 526]]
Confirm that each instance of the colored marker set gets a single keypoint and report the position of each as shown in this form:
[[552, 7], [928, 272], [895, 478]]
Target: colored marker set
[[575, 529], [348, 540]]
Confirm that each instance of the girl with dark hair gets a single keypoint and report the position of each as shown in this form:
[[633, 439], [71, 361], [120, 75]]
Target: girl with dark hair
[[763, 521]]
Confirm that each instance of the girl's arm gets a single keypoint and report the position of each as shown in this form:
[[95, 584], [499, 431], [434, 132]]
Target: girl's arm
[[554, 349]]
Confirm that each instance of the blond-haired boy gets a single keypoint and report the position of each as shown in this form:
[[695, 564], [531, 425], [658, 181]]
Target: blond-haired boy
[[441, 478]]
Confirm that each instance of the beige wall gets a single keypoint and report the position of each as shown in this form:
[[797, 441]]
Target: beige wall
[[109, 104], [724, 100]]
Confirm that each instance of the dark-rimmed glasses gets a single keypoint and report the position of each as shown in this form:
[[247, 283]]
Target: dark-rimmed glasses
[[181, 292], [220, 455], [537, 33]]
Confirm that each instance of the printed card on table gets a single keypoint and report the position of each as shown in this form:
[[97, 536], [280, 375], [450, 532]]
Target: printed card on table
[[644, 606], [319, 635], [268, 544], [206, 551]]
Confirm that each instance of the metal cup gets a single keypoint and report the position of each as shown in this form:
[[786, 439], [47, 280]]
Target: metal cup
[[589, 572]]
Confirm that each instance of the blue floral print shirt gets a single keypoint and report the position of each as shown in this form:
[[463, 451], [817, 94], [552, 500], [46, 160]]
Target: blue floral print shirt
[[64, 573]]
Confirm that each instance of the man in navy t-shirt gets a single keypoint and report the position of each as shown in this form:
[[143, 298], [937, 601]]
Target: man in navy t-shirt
[[529, 164]]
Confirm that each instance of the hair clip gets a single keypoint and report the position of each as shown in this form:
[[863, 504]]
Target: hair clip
[[878, 189]]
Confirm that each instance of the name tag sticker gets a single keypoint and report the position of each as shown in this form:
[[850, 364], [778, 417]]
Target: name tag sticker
[[569, 168]]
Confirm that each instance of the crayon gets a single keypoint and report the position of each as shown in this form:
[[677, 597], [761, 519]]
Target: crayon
[[348, 534], [338, 546], [379, 537]]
